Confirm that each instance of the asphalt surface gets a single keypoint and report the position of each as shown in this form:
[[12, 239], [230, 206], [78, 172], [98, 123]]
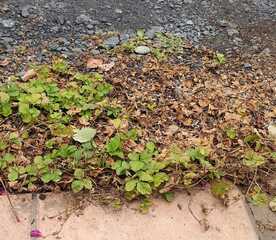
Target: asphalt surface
[[222, 24]]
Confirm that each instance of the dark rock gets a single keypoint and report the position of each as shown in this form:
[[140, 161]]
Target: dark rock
[[247, 66]]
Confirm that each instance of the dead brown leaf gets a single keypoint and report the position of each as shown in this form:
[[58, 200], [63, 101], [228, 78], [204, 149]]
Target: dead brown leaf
[[29, 74], [94, 63]]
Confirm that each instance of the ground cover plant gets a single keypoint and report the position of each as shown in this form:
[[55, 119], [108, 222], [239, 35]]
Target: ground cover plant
[[176, 118]]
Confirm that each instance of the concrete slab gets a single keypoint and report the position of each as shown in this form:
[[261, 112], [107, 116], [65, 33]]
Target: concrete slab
[[58, 217], [164, 220], [9, 227], [266, 222]]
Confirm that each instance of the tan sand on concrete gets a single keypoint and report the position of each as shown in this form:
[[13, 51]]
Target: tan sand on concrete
[[164, 221], [10, 229]]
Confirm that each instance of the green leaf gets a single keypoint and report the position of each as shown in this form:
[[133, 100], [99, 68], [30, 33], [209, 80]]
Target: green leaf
[[143, 188], [13, 175], [77, 186], [87, 183], [130, 185], [46, 178], [198, 153], [85, 135], [168, 196], [159, 178], [136, 165], [116, 123], [252, 159], [79, 173], [4, 97], [258, 198], [8, 157], [220, 58], [150, 147], [145, 156], [114, 112], [252, 138], [50, 143], [140, 33], [118, 153], [56, 175], [220, 188], [53, 175], [177, 155], [145, 205], [273, 155], [5, 109], [60, 66], [114, 144], [3, 145], [144, 176], [120, 167], [132, 134], [133, 156], [231, 133]]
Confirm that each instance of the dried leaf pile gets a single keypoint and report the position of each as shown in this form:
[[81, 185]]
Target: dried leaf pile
[[198, 117]]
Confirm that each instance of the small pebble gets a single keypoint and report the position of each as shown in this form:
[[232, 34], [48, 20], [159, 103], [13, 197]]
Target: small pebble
[[142, 50], [111, 42], [247, 66], [8, 23]]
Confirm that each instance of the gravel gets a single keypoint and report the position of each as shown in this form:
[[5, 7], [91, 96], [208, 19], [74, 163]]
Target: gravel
[[221, 24]]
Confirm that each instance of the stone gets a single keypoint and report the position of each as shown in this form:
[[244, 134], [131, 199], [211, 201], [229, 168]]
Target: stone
[[232, 31], [111, 42], [83, 19], [25, 11], [8, 23], [118, 10], [272, 130], [142, 50], [247, 66], [266, 52], [272, 204], [189, 22]]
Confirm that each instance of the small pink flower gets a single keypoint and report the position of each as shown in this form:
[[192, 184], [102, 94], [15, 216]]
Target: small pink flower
[[36, 233]]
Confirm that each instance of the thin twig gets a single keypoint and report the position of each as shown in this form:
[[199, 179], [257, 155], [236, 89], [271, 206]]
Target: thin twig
[[10, 202], [253, 180], [191, 211]]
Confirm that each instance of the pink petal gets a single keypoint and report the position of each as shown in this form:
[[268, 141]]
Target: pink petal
[[36, 233]]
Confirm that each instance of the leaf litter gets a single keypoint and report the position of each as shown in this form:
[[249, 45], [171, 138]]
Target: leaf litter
[[207, 115]]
